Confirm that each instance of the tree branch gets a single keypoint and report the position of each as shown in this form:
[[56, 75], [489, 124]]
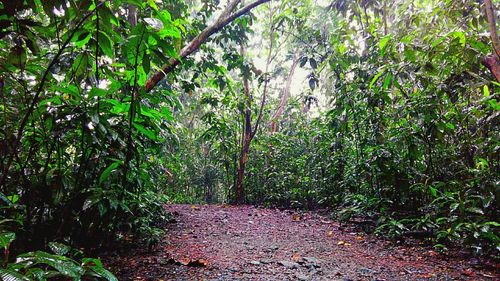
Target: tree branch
[[492, 62], [224, 19], [266, 77], [490, 15], [285, 96]]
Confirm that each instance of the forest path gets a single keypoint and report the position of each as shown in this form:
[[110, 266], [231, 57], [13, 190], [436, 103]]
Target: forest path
[[219, 242]]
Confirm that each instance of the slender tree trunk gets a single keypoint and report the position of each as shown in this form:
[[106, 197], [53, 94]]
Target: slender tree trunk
[[249, 133], [245, 147], [385, 17], [132, 14], [285, 96]]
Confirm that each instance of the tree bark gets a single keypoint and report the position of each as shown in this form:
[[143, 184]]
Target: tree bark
[[492, 62], [132, 14], [224, 19], [285, 96], [385, 17], [490, 15], [245, 144]]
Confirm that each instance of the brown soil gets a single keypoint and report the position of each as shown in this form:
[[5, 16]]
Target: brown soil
[[219, 242]]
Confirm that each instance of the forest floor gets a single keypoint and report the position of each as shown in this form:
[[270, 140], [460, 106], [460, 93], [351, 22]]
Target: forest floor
[[220, 242]]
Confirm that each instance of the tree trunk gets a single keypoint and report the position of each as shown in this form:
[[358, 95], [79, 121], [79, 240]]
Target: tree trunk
[[248, 133], [132, 14], [245, 148], [246, 139], [492, 62], [284, 97]]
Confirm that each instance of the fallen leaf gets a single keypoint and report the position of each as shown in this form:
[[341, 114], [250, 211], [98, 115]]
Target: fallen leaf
[[329, 233], [184, 261], [296, 257], [199, 262], [360, 238], [189, 262], [468, 272], [194, 207], [295, 217], [343, 243]]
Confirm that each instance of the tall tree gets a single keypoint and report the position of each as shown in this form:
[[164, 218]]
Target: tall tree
[[248, 133]]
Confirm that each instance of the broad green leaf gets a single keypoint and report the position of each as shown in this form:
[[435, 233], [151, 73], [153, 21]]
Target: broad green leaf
[[148, 133], [82, 42], [486, 91], [106, 44], [376, 77], [6, 238], [97, 92], [59, 248], [433, 191], [383, 42], [387, 81], [460, 36], [450, 126], [63, 265], [10, 275], [80, 64], [103, 273], [105, 174]]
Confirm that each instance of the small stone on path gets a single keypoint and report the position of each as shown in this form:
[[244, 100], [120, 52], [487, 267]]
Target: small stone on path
[[289, 264]]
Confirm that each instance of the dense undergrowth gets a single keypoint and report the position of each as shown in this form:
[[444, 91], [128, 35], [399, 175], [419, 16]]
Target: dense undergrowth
[[409, 137]]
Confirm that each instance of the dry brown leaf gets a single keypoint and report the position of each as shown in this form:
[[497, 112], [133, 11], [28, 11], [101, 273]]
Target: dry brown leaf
[[329, 233], [343, 243], [469, 272], [184, 261], [296, 257], [194, 207], [199, 262], [295, 217]]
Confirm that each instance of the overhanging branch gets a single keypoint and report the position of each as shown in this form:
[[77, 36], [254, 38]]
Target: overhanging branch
[[225, 18]]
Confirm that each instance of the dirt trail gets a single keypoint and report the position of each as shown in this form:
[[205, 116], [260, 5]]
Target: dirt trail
[[213, 242]]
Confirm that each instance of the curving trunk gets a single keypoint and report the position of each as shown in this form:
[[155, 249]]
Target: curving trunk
[[285, 97]]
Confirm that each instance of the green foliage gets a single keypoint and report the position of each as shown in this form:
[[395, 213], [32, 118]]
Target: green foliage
[[408, 138], [42, 266]]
